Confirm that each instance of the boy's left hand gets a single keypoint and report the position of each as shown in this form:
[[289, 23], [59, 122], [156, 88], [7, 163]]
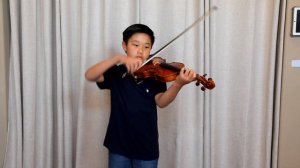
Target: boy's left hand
[[185, 76]]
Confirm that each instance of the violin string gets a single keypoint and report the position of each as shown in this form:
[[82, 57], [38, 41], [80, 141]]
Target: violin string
[[207, 13]]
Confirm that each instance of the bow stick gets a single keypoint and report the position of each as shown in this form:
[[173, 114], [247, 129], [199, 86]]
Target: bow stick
[[207, 13]]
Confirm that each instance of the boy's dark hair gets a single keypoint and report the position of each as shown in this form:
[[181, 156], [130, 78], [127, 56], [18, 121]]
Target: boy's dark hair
[[137, 28]]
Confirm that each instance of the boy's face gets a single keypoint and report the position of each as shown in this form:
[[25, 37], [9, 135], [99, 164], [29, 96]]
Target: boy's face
[[138, 45]]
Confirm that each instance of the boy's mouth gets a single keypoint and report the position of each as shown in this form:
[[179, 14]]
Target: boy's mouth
[[140, 57]]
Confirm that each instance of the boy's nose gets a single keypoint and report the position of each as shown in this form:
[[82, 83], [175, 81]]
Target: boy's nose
[[140, 50]]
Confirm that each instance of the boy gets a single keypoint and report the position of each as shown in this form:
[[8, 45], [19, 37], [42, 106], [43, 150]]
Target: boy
[[132, 133]]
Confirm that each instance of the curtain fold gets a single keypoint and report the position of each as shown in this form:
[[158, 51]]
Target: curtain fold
[[58, 119], [245, 61], [278, 79]]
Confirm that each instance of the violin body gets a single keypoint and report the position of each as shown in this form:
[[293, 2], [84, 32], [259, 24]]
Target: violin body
[[167, 72], [159, 72]]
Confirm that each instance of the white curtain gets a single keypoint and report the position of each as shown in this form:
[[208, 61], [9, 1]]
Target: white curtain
[[58, 119]]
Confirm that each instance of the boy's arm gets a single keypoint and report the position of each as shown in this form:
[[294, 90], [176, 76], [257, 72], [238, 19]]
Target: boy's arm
[[186, 76], [95, 73]]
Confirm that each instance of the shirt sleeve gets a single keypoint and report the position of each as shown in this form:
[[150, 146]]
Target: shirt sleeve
[[160, 87], [108, 77]]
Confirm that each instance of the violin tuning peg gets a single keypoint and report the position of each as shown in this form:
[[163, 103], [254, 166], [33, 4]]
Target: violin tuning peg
[[204, 75], [203, 88]]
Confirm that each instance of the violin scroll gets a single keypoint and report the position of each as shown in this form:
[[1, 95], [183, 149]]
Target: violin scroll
[[207, 83]]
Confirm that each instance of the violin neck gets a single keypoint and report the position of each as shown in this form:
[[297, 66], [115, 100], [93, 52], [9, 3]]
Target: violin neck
[[170, 67]]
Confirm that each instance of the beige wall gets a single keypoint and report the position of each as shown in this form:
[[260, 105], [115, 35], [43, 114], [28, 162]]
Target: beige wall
[[289, 135], [4, 53], [289, 140]]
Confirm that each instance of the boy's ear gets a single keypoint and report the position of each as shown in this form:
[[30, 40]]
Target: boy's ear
[[124, 46]]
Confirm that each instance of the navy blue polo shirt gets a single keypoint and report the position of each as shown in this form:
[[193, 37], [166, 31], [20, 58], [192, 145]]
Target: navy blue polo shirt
[[132, 130]]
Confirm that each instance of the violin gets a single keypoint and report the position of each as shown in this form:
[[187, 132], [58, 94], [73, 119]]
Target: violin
[[167, 72]]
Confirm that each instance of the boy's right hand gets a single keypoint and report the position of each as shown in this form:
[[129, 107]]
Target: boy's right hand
[[132, 63]]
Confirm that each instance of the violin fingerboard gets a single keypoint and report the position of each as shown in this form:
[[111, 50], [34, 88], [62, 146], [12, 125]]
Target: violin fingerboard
[[172, 66]]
